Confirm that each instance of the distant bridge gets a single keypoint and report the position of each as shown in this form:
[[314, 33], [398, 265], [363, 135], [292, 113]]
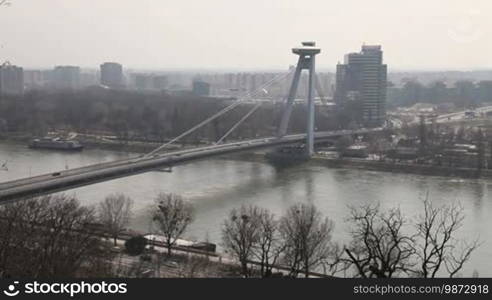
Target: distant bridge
[[457, 116]]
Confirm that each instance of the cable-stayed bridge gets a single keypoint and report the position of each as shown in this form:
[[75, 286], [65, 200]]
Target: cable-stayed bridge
[[68, 179], [72, 178]]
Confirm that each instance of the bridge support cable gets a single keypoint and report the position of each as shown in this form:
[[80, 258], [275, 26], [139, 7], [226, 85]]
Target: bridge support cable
[[218, 114], [284, 122], [239, 122], [191, 130]]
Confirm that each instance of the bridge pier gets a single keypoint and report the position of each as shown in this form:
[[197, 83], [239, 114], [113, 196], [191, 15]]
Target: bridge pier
[[306, 61]]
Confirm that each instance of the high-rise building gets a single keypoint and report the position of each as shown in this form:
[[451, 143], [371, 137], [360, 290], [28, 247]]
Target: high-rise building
[[88, 78], [33, 79], [149, 82], [11, 80], [361, 81], [159, 82], [143, 81], [201, 88], [66, 77], [112, 75]]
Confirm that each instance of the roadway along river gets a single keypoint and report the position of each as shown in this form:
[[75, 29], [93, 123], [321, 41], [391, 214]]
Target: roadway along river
[[215, 186]]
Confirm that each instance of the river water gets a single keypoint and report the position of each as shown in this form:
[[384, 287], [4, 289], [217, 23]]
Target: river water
[[215, 186]]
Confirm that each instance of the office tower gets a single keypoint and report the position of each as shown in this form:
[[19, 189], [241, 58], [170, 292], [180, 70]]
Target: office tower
[[112, 75], [11, 80], [33, 79], [143, 81], [66, 77], [201, 88], [361, 84], [253, 82], [159, 82], [88, 78]]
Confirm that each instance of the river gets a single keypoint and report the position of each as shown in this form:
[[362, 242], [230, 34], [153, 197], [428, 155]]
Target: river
[[215, 186]]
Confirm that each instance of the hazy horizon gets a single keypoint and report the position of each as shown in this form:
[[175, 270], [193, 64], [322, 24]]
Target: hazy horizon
[[132, 69], [218, 35]]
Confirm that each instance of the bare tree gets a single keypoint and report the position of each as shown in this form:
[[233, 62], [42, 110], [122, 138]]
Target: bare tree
[[241, 233], [437, 247], [172, 216], [269, 246], [379, 248], [307, 236], [383, 244], [343, 143], [115, 212], [125, 268], [50, 237], [195, 266], [335, 263]]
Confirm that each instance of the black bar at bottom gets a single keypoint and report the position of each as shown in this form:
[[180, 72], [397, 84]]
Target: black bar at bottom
[[275, 288]]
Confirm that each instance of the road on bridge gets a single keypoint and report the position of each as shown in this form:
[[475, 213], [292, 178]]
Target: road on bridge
[[68, 179]]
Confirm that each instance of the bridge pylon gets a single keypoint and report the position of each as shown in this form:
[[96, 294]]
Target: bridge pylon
[[307, 53]]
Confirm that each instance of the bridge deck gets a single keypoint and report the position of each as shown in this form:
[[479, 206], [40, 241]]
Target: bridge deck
[[77, 177]]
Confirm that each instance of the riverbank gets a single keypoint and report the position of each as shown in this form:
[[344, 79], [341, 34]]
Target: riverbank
[[91, 142], [100, 143], [375, 165], [216, 186], [384, 166]]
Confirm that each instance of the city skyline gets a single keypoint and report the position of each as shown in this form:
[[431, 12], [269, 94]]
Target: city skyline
[[338, 140], [161, 35]]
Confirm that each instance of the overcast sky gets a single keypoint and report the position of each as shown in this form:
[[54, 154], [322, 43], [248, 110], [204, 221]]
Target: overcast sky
[[251, 34]]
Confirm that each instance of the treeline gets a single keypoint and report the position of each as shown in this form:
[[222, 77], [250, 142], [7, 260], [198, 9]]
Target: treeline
[[133, 115], [50, 237], [383, 243], [462, 94], [55, 236]]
